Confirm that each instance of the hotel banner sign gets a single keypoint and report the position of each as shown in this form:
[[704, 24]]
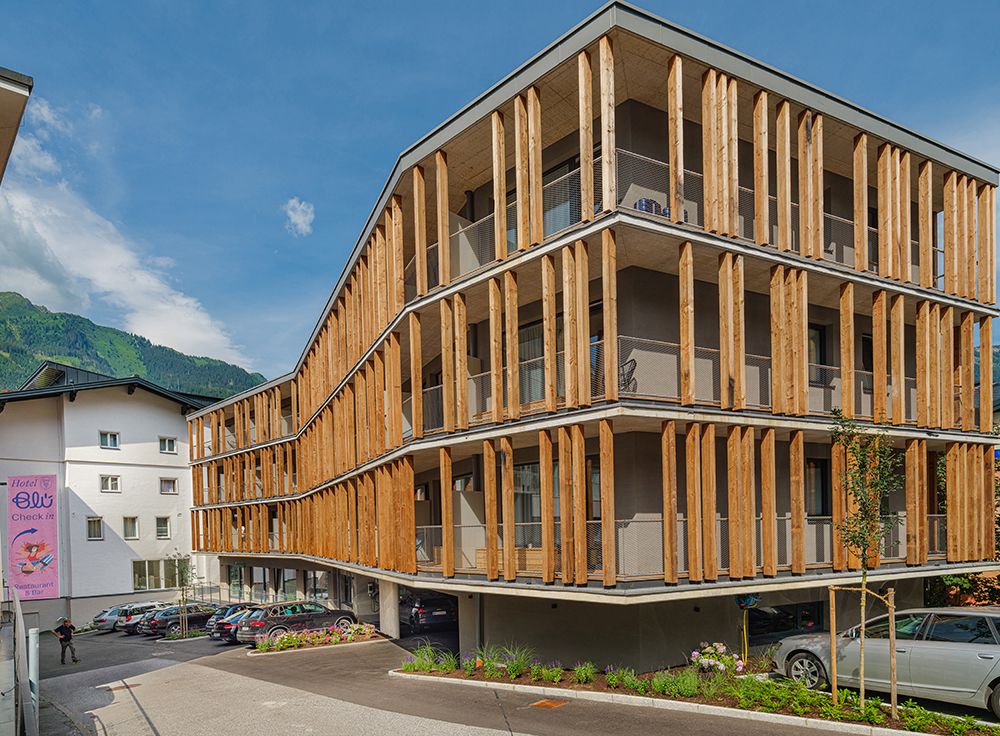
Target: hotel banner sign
[[32, 536]]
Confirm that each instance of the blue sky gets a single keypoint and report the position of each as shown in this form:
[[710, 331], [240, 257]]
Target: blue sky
[[164, 140]]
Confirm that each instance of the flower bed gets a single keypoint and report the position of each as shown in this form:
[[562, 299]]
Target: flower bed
[[734, 684], [191, 634], [318, 638]]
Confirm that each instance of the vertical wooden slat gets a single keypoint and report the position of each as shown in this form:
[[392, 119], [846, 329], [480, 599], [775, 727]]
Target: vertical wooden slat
[[739, 361], [748, 504], [923, 351], [709, 538], [985, 375], [496, 349], [879, 356], [953, 517], [947, 352], [768, 503], [549, 329], [779, 365], [675, 136], [861, 202], [806, 183], [885, 260], [668, 469], [761, 162], [420, 229], [967, 330], [817, 186], [582, 260], [416, 377], [982, 243], [608, 546], [912, 489], [513, 365], [950, 245], [522, 186], [734, 463], [609, 169], [443, 218], [490, 504], [686, 285], [783, 174], [798, 500], [732, 144], [847, 349], [585, 82], [609, 309], [692, 473], [499, 185], [547, 505], [570, 352], [461, 363], [709, 152], [897, 352], [934, 366], [507, 508], [447, 364], [535, 164], [567, 544], [447, 514], [725, 288], [580, 486]]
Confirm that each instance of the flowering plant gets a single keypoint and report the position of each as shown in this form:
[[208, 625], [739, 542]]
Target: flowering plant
[[716, 657]]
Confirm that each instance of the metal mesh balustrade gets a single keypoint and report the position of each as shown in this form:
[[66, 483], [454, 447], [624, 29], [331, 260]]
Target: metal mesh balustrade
[[694, 198], [648, 368], [480, 398], [512, 227], [560, 378], [722, 542], [639, 548], [938, 255], [758, 381], [910, 398], [873, 249], [937, 538], [643, 184], [433, 409], [531, 376], [410, 280], [470, 547], [561, 203], [838, 239], [528, 547], [407, 417], [864, 393], [894, 542], [473, 246], [745, 213], [706, 375], [433, 277], [594, 549], [784, 539], [824, 388], [819, 540], [597, 370]]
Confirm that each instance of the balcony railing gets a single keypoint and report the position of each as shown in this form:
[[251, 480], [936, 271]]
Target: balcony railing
[[824, 388], [433, 409]]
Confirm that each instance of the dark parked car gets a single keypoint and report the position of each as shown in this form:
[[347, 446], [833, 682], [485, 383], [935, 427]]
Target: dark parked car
[[225, 629], [129, 616], [224, 611], [275, 619], [422, 610], [168, 620]]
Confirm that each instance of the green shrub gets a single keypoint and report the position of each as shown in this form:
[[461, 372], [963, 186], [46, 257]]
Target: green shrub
[[553, 673], [517, 660], [662, 683], [425, 658], [687, 682], [915, 717], [872, 712], [613, 676], [630, 681], [537, 672], [469, 665], [960, 726], [447, 661], [584, 673], [492, 670]]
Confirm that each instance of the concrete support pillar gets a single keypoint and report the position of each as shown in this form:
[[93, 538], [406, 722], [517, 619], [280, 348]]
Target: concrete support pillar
[[388, 610], [468, 621], [364, 603]]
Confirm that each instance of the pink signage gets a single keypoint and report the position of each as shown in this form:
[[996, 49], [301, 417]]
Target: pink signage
[[32, 536]]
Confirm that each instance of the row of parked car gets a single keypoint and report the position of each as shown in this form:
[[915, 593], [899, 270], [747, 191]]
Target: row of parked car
[[229, 622]]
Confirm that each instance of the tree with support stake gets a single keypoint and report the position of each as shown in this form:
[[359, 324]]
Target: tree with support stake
[[871, 473]]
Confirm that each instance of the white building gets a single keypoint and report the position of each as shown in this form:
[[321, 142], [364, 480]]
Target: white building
[[118, 449]]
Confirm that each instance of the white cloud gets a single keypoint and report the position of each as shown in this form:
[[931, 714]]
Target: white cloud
[[46, 118], [299, 217], [58, 251]]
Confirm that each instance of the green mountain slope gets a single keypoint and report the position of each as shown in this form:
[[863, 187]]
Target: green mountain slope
[[30, 334]]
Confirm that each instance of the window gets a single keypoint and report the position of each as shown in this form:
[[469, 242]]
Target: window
[[95, 528], [817, 487], [961, 629], [111, 484], [163, 527], [109, 440], [139, 579], [168, 445], [130, 527], [817, 355], [168, 486], [156, 574], [867, 353], [907, 627], [313, 608], [463, 483]]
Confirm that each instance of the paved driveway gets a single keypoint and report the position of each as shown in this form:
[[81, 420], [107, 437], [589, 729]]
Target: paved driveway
[[140, 687]]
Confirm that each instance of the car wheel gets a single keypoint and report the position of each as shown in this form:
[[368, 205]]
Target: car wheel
[[806, 669], [343, 621], [174, 629], [277, 632], [994, 701]]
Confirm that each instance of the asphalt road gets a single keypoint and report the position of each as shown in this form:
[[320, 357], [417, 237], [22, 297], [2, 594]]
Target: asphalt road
[[137, 686]]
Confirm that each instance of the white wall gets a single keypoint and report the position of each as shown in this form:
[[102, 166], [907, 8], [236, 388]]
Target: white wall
[[59, 436]]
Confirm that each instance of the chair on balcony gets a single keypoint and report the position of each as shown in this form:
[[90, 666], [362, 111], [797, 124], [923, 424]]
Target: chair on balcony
[[627, 382]]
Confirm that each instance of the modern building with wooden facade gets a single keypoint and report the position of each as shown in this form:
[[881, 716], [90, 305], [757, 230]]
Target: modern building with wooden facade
[[581, 367]]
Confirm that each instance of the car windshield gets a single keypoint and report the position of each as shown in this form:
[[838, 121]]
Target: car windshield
[[233, 618], [256, 614]]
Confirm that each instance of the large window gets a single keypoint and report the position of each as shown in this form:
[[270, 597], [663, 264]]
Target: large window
[[130, 527], [817, 487], [109, 440], [317, 585], [111, 484], [95, 528], [157, 574]]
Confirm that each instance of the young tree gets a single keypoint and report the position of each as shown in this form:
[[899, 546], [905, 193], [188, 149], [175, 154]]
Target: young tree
[[871, 473], [185, 582]]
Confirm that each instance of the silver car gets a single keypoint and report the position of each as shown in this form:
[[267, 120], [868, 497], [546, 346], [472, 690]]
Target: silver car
[[947, 654], [107, 620]]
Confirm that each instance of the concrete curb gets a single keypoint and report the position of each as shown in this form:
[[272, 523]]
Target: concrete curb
[[813, 724], [315, 649], [164, 640]]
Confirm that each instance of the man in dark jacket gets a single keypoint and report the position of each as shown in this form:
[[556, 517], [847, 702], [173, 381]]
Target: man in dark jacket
[[64, 633]]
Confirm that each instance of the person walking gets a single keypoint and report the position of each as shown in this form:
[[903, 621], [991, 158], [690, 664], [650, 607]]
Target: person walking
[[64, 633]]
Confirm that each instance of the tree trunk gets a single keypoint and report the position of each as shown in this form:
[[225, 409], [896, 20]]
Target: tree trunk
[[861, 652]]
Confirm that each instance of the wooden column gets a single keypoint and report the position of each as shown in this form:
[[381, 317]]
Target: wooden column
[[905, 223], [912, 490], [687, 339], [582, 261], [668, 467], [730, 134], [447, 514], [513, 365], [416, 377], [748, 504], [490, 505], [585, 84], [953, 516], [499, 186], [461, 363], [734, 477], [985, 375], [547, 505], [779, 363], [838, 456], [496, 349], [566, 562], [709, 150], [507, 507], [934, 366], [570, 350], [609, 170], [549, 317], [967, 329], [398, 283], [798, 500], [739, 358], [982, 243], [923, 351], [925, 223], [768, 504], [609, 309], [534, 110], [761, 163], [886, 267], [806, 185], [818, 186], [608, 541], [692, 474], [879, 356], [420, 230], [675, 136], [522, 186], [947, 382], [447, 364], [898, 356], [950, 245], [580, 485], [443, 218], [725, 282], [783, 174], [709, 536], [847, 349]]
